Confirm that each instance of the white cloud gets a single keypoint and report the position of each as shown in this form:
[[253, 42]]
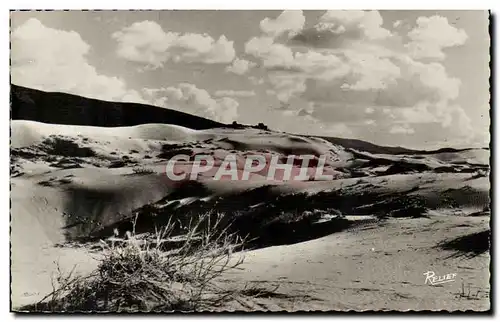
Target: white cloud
[[361, 70], [147, 43], [432, 35], [366, 23], [318, 65], [434, 77], [415, 92], [240, 66], [270, 53], [278, 56], [285, 86], [288, 71], [401, 129], [289, 21], [190, 99], [336, 129], [256, 80], [371, 71], [397, 23], [55, 60], [234, 93]]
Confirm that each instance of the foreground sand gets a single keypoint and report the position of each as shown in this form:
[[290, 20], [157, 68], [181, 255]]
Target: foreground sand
[[371, 268], [375, 266]]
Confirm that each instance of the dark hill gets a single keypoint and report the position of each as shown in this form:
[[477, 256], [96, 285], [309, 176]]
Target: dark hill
[[62, 108], [367, 146], [379, 149]]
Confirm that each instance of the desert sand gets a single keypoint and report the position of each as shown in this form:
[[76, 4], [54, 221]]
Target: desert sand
[[403, 212]]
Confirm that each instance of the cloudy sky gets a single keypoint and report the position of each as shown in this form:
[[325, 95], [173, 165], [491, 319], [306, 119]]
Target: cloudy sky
[[411, 78]]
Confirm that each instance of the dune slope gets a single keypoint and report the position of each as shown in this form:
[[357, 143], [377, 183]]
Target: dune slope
[[75, 184]]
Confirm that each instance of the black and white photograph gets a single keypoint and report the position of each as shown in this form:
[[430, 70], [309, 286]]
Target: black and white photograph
[[250, 161]]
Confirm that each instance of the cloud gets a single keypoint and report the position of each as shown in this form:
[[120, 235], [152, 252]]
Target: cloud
[[271, 54], [336, 129], [256, 81], [357, 55], [364, 23], [369, 110], [240, 66], [188, 98], [357, 67], [415, 91], [285, 85], [233, 93], [276, 56], [401, 129], [56, 60], [433, 77], [289, 21], [336, 28], [147, 43], [289, 70], [370, 72], [432, 35], [352, 66]]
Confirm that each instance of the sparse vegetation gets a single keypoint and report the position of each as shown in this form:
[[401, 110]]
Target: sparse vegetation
[[65, 147], [136, 273], [142, 170], [470, 245], [468, 293]]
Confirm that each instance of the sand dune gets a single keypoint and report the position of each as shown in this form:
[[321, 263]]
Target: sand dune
[[78, 183], [28, 133]]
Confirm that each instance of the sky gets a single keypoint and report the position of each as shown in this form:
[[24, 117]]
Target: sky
[[417, 79]]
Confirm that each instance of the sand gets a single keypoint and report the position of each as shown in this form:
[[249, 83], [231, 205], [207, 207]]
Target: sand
[[69, 182], [377, 268]]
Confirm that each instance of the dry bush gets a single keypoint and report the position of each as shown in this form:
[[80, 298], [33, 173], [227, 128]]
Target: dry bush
[[135, 273]]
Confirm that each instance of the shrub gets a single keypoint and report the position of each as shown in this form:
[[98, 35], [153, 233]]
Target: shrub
[[136, 274]]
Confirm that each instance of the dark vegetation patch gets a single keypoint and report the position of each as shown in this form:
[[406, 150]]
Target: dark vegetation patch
[[470, 245], [67, 163], [170, 150], [406, 167], [124, 162], [65, 147], [264, 215]]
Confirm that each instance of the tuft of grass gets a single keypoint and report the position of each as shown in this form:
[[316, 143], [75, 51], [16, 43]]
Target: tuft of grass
[[468, 293], [135, 274], [142, 170]]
